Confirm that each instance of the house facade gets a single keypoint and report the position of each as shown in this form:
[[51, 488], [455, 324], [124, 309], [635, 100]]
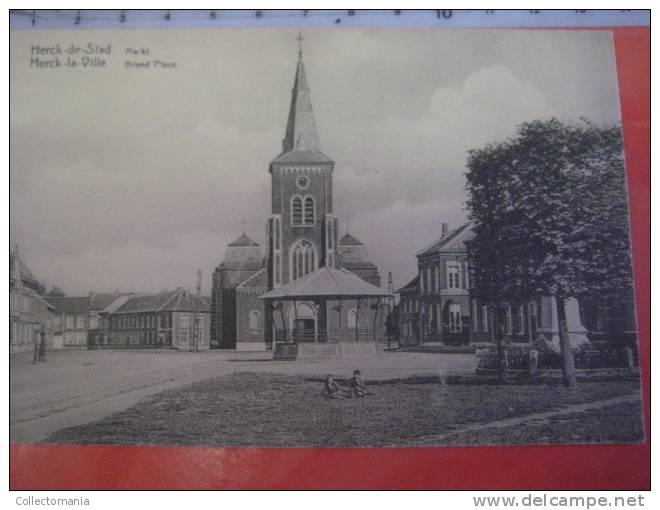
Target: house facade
[[408, 313], [170, 319], [438, 306], [77, 319], [435, 306], [29, 311]]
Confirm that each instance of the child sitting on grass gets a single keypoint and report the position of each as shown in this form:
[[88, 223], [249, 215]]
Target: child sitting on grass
[[331, 389], [358, 386]]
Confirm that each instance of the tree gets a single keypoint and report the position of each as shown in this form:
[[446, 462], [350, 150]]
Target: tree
[[559, 219]]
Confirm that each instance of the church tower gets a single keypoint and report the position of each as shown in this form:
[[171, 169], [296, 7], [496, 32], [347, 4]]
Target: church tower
[[302, 230]]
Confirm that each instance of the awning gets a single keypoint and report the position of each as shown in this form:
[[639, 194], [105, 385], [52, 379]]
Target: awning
[[327, 282]]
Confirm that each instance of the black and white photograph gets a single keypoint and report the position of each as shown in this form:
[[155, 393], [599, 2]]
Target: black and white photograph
[[325, 238]]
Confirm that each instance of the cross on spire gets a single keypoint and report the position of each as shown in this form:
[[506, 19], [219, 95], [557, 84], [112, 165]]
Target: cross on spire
[[300, 39]]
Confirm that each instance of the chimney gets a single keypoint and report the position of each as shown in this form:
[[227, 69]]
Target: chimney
[[445, 230]]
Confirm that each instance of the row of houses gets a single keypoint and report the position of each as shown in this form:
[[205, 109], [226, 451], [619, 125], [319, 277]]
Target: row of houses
[[169, 319], [437, 305]]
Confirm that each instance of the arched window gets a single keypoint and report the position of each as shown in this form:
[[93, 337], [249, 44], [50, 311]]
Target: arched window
[[303, 260], [296, 211], [309, 211], [253, 319]]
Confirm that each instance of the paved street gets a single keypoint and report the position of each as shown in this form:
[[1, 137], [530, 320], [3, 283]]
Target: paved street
[[76, 387]]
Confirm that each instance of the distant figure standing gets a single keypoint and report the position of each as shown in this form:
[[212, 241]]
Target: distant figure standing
[[42, 344], [358, 387]]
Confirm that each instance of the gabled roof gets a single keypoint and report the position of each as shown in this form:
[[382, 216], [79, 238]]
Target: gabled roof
[[177, 300], [70, 304], [327, 282], [18, 271], [411, 286], [94, 302], [302, 157], [451, 242]]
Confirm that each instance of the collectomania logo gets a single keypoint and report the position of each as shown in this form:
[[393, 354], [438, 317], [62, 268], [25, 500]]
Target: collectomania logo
[[32, 501]]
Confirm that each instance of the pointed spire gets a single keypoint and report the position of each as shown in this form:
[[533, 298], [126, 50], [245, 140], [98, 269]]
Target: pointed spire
[[301, 133]]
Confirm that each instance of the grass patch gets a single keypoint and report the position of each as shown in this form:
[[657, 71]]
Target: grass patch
[[619, 423], [272, 410]]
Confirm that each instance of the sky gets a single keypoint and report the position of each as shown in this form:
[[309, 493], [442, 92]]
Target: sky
[[133, 179]]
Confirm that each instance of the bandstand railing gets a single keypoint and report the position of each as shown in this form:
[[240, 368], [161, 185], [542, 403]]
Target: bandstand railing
[[345, 335]]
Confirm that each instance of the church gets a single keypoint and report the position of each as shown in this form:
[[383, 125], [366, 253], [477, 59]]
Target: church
[[253, 302]]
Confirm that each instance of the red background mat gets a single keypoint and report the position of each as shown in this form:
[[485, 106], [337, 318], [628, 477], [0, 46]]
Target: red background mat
[[623, 467]]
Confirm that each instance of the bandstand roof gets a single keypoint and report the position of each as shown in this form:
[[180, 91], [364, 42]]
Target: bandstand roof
[[327, 282]]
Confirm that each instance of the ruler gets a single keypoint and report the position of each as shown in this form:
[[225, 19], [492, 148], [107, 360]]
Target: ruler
[[441, 18]]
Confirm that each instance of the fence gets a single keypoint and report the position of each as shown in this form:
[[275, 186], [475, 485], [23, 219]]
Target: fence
[[532, 360], [346, 335]]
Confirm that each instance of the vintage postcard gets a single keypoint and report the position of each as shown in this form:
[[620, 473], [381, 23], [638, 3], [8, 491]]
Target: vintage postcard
[[319, 238]]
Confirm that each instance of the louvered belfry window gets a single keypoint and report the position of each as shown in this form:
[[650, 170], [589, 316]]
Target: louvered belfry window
[[309, 211], [297, 211]]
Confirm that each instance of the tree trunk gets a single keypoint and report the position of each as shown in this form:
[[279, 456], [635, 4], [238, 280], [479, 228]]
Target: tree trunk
[[567, 362], [499, 339]]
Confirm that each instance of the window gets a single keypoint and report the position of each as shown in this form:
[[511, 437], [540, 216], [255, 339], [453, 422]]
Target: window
[[509, 321], [303, 260], [421, 281], [475, 318], [484, 318], [183, 337], [253, 319], [466, 275], [70, 322], [277, 269], [455, 318], [310, 211], [296, 211], [453, 275], [520, 329], [439, 316], [436, 271]]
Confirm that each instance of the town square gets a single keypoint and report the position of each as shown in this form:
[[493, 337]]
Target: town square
[[465, 280]]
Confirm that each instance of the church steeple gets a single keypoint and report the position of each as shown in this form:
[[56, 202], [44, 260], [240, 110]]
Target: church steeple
[[301, 133]]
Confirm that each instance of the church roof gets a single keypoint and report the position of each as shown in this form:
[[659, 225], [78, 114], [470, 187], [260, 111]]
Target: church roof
[[302, 156], [410, 286], [349, 240], [258, 280], [243, 240], [301, 139], [353, 254], [242, 253], [327, 282], [453, 241]]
